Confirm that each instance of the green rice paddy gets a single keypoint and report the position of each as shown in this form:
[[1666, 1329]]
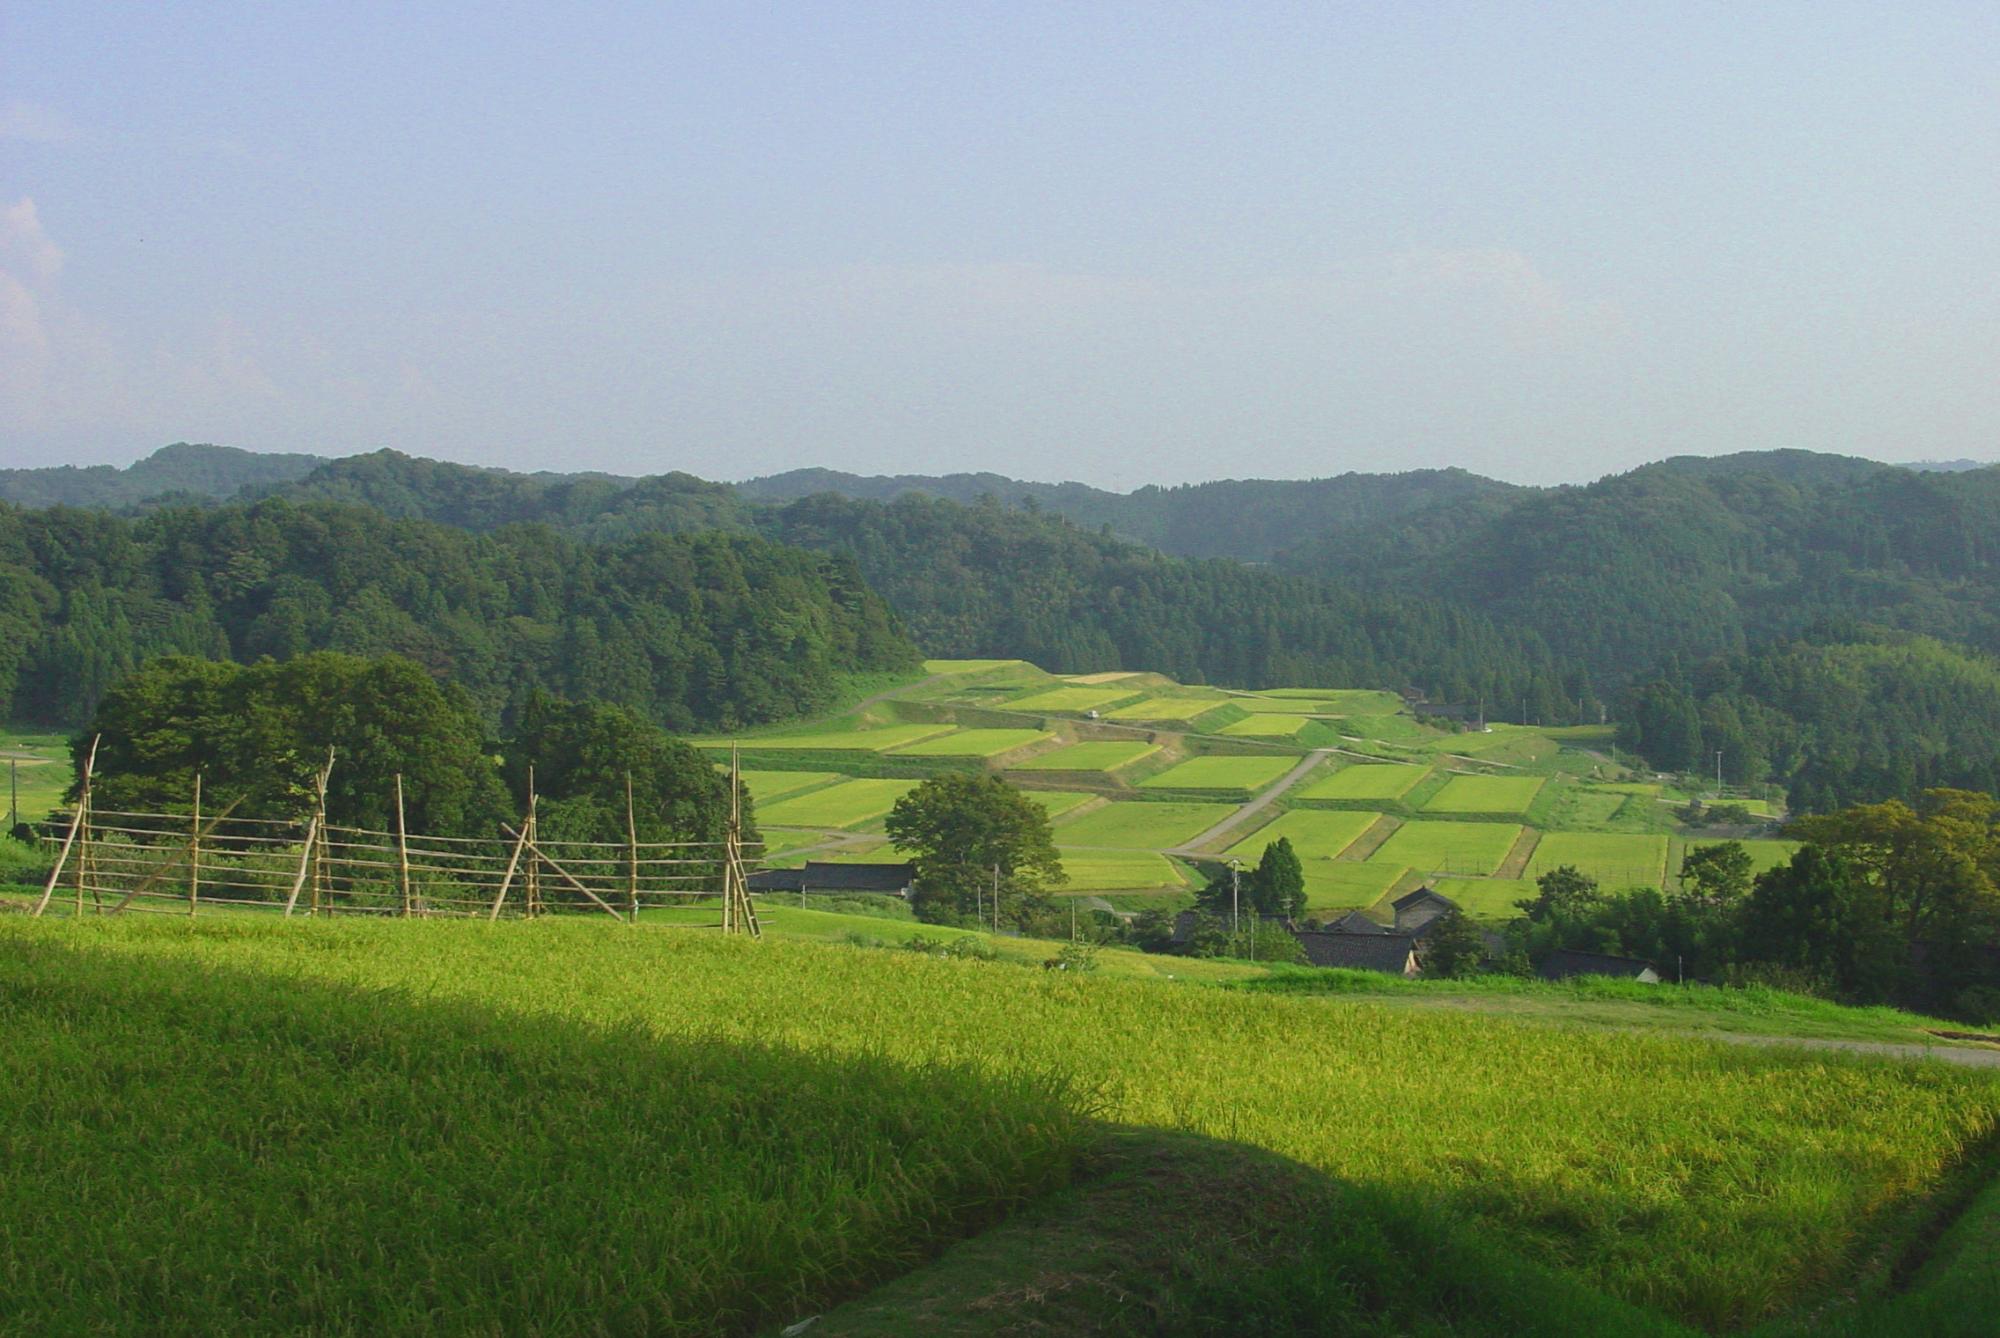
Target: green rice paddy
[[848, 804], [1238, 774], [1167, 710], [1617, 860], [1504, 795], [975, 743], [1444, 848], [1095, 755], [565, 1127], [1073, 700], [1269, 726], [1059, 802], [844, 740], [1488, 898], [1764, 855], [769, 786], [1117, 871], [1349, 885], [1366, 780], [1315, 833], [1140, 825]]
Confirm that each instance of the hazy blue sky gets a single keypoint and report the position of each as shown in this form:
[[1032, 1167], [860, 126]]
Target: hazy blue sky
[[1115, 243]]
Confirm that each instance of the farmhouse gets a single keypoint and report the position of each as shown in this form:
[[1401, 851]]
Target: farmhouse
[[1354, 922], [892, 880], [1419, 908], [1565, 963], [1394, 954]]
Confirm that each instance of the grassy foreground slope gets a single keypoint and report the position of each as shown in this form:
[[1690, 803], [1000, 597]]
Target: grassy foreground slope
[[575, 1128]]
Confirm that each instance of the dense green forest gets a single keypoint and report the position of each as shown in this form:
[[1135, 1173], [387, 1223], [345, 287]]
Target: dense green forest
[[1762, 605], [695, 631], [986, 580]]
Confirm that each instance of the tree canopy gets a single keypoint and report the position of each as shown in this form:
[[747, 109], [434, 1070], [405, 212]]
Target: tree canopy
[[962, 827]]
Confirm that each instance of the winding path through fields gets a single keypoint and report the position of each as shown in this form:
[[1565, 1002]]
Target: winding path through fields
[[1255, 806]]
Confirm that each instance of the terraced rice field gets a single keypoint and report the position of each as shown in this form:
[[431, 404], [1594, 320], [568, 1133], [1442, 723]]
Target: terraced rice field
[[1167, 710], [1365, 781], [1342, 701], [1096, 755], [1315, 833], [1260, 705], [1763, 854], [848, 804], [1138, 825], [1503, 795], [1075, 700], [1445, 848], [1111, 676], [1349, 885], [1616, 860], [845, 740], [1271, 726], [1117, 871], [1237, 775], [1059, 802], [974, 666], [767, 787], [1488, 898], [975, 743]]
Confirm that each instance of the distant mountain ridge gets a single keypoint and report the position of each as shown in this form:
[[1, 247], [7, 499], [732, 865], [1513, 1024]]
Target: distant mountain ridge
[[184, 469]]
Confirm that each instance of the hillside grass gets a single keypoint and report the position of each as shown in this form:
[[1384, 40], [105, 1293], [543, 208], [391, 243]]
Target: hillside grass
[[567, 1127]]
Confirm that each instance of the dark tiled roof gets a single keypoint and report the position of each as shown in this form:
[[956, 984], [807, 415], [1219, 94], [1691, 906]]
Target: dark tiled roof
[[822, 876], [1354, 922], [1359, 952], [1566, 962], [1409, 899]]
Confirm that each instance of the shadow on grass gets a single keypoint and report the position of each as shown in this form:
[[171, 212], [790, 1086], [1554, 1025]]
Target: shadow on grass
[[224, 1151]]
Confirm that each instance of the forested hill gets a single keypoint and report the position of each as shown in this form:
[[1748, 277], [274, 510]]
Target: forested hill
[[986, 580], [1674, 563], [697, 631], [1249, 519], [181, 470]]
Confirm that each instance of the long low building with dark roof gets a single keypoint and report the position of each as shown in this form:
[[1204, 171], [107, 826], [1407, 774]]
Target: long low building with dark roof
[[1395, 954], [894, 880]]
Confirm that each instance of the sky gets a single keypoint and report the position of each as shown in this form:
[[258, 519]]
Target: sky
[[1121, 244]]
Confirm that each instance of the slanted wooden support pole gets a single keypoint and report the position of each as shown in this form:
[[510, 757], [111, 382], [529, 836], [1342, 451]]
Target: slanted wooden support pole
[[312, 861], [75, 828], [194, 851], [631, 855], [402, 847], [513, 863]]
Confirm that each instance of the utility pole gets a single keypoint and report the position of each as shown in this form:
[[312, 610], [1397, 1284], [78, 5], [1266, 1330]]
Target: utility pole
[[996, 898], [13, 794], [1718, 773], [1235, 897]]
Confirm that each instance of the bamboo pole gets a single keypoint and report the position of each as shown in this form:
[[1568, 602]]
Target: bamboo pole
[[632, 854], [312, 858], [160, 869], [306, 852], [513, 863], [564, 874], [531, 829], [75, 826], [402, 847], [194, 851]]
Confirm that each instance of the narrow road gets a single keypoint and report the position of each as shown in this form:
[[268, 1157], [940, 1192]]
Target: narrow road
[[1968, 1056], [1255, 806]]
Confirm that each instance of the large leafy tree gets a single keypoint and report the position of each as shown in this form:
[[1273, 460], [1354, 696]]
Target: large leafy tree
[[962, 828], [1279, 884], [582, 754], [259, 734]]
